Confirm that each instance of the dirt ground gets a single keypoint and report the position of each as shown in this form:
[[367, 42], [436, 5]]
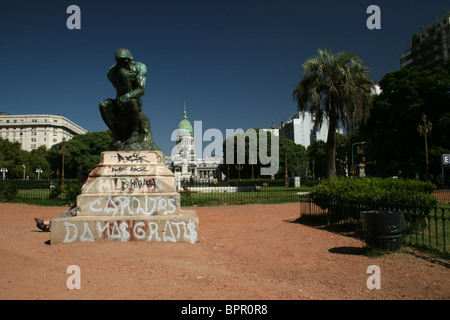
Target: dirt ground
[[244, 252]]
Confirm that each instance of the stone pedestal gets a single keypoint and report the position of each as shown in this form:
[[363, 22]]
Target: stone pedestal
[[131, 195]]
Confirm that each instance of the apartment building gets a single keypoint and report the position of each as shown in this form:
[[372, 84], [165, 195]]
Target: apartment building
[[35, 130], [430, 47]]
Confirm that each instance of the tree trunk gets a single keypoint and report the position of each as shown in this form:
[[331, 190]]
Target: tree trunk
[[331, 149]]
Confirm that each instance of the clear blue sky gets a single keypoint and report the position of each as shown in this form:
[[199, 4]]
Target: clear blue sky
[[234, 63]]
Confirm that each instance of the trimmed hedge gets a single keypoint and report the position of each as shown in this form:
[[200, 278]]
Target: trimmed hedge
[[8, 190], [378, 190]]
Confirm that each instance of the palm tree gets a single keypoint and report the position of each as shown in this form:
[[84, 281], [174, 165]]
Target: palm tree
[[335, 88]]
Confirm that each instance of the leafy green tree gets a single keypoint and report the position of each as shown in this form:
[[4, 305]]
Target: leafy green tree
[[391, 132], [297, 158], [11, 158], [82, 152], [38, 160], [318, 159], [336, 88], [343, 154], [14, 159]]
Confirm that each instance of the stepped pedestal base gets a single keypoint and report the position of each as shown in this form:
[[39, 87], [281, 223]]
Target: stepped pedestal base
[[182, 227], [131, 195]]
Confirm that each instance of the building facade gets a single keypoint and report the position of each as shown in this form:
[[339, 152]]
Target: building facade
[[183, 161], [35, 130], [302, 130], [430, 47]]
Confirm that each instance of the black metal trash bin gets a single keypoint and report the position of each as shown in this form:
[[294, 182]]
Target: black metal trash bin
[[383, 229]]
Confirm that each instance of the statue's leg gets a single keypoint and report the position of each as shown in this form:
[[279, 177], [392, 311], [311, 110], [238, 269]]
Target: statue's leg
[[131, 118], [146, 130], [107, 108]]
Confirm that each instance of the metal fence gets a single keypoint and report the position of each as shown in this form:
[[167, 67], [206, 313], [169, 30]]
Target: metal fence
[[443, 195], [427, 227], [197, 194], [226, 195], [48, 191]]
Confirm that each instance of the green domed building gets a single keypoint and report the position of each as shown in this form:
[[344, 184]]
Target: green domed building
[[185, 127], [183, 161]]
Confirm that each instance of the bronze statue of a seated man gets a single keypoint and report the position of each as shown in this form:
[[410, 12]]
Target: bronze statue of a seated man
[[123, 115]]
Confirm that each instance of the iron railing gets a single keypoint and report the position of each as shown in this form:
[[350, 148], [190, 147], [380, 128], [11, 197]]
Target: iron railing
[[426, 226], [198, 194]]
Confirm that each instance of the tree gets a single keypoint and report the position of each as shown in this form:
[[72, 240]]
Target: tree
[[83, 153], [336, 88], [391, 132], [14, 159], [318, 156], [297, 158], [38, 160], [318, 159], [296, 155], [11, 158]]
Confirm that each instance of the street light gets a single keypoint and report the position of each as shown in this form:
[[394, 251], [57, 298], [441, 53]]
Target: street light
[[63, 151], [239, 168], [424, 130], [286, 177], [23, 166], [39, 170], [4, 170], [356, 143]]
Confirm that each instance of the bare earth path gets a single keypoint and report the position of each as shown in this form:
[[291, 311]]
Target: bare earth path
[[244, 252]]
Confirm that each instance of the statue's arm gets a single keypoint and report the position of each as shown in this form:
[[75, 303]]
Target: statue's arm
[[140, 79], [111, 77]]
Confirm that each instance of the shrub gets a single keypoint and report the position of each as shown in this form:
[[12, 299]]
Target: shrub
[[55, 191], [378, 190], [8, 190], [71, 190]]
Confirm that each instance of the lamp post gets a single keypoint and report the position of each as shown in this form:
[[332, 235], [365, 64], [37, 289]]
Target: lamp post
[[286, 177], [298, 167], [4, 171], [353, 166], [239, 168], [63, 151], [425, 129], [23, 166], [39, 170]]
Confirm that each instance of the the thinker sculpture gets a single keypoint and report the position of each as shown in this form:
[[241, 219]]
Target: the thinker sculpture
[[123, 115]]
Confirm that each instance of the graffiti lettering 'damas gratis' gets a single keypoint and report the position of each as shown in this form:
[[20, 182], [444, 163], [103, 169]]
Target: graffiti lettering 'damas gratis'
[[130, 196]]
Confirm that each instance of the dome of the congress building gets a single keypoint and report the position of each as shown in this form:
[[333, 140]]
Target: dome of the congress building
[[185, 127]]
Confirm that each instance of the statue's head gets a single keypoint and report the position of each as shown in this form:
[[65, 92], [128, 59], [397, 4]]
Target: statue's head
[[123, 56]]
